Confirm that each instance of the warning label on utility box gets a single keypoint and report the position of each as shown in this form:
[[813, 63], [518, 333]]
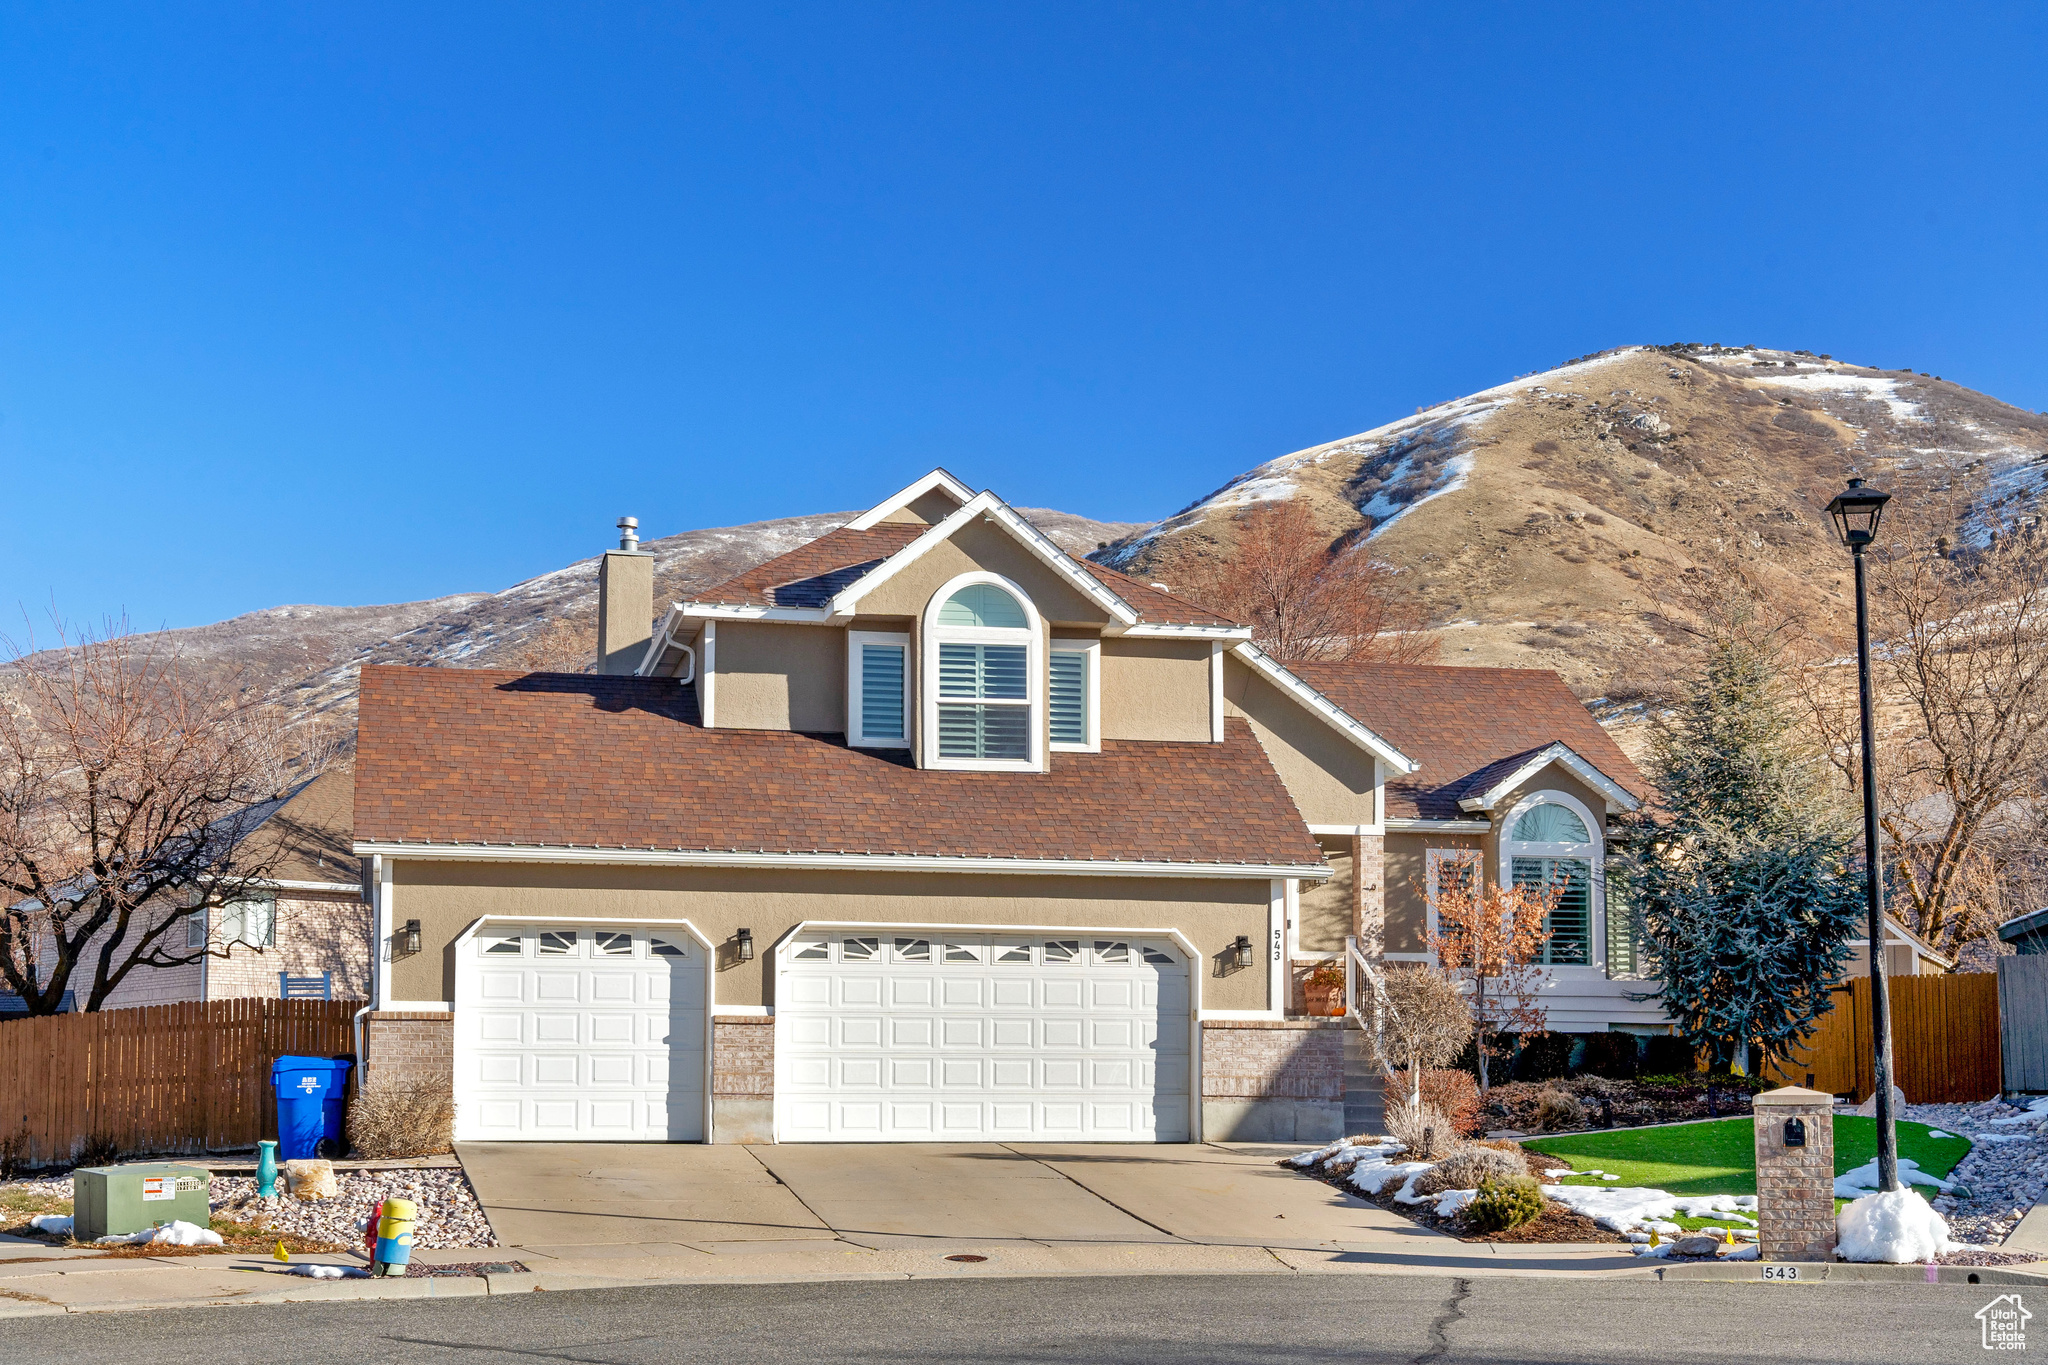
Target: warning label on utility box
[[159, 1187]]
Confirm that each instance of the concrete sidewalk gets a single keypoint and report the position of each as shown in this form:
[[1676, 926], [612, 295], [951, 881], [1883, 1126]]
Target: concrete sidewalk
[[591, 1216]]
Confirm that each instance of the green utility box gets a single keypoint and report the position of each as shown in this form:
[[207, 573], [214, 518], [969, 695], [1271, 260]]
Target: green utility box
[[109, 1200]]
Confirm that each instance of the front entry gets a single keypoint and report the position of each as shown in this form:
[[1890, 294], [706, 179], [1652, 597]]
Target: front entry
[[579, 1032], [893, 1035]]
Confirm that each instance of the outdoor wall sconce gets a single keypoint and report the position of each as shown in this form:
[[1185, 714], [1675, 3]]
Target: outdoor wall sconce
[[1795, 1132], [1241, 951], [746, 945], [409, 937]]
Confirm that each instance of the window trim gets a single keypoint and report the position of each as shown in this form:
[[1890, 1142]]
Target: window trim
[[1433, 859], [1594, 854], [857, 738], [934, 634], [1091, 695]]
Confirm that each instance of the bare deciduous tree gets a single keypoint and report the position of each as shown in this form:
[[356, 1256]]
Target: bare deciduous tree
[[126, 786], [1961, 648], [562, 644], [1423, 1021], [1306, 598]]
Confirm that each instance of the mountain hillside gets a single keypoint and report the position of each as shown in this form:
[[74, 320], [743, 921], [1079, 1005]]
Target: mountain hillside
[[311, 655], [1542, 522]]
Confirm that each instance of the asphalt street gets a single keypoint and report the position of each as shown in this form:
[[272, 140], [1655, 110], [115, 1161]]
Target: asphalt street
[[1245, 1320]]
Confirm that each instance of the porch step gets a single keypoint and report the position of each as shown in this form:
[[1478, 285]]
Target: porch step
[[1364, 1105]]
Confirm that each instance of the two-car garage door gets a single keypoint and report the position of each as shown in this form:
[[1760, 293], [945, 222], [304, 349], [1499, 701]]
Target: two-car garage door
[[580, 1032], [916, 1036]]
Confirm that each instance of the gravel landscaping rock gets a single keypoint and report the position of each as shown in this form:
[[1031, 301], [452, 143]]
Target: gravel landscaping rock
[[450, 1217], [2004, 1175]]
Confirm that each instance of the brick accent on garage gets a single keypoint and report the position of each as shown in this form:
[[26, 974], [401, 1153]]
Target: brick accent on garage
[[742, 1078], [1272, 1080], [408, 1051]]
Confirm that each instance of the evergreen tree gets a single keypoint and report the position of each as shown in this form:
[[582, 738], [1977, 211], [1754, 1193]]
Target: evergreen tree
[[1740, 883]]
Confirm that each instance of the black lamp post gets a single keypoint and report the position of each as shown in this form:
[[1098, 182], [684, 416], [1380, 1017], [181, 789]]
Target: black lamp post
[[1856, 511]]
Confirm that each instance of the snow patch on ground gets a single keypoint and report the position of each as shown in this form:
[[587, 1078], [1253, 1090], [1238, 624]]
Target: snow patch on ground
[[1885, 391], [57, 1224], [1628, 1208], [176, 1233], [1849, 1184], [1896, 1226]]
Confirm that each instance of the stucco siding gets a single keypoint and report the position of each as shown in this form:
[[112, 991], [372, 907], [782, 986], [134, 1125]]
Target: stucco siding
[[1331, 779], [988, 549], [446, 897], [1328, 910], [1155, 689], [781, 677]]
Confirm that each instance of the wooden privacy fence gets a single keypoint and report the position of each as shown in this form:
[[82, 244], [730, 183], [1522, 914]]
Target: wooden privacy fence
[[2023, 1003], [1945, 1041], [191, 1077]]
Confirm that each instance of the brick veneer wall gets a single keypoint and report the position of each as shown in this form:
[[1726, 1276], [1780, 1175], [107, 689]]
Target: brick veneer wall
[[742, 1078], [1272, 1080], [1299, 1059], [1795, 1186], [404, 1051]]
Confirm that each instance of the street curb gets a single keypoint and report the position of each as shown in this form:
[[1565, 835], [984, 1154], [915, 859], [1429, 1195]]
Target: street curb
[[1842, 1272]]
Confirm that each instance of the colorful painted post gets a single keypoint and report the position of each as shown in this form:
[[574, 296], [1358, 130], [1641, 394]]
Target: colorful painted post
[[394, 1236]]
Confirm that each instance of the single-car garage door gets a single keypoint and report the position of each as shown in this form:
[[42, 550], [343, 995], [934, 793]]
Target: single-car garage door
[[567, 1033], [894, 1036]]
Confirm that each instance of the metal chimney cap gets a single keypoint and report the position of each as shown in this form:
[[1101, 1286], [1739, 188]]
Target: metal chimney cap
[[629, 533]]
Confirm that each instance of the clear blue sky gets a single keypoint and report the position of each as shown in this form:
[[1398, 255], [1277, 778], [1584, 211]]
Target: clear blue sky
[[360, 303]]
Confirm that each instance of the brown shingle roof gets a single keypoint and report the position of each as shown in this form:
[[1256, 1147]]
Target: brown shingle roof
[[1467, 727], [449, 755], [811, 574]]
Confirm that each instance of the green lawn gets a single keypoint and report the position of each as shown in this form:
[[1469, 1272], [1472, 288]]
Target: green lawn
[[1720, 1157]]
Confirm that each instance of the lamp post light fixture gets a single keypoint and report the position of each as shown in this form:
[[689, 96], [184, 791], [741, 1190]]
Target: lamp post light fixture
[[1856, 511]]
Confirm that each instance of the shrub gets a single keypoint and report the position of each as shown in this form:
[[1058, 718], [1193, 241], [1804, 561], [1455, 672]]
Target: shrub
[[392, 1122], [1499, 1068], [1428, 1134], [1455, 1095], [1467, 1168], [1612, 1055], [1665, 1055], [1504, 1203], [1557, 1109], [1544, 1056]]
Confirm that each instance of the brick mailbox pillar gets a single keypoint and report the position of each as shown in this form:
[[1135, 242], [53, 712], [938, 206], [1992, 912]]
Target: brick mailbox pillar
[[1795, 1181]]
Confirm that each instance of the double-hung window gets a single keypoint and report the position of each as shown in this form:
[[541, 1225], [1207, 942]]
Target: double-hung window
[[983, 651], [877, 691]]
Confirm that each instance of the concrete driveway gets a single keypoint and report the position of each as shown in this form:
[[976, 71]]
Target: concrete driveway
[[587, 1200]]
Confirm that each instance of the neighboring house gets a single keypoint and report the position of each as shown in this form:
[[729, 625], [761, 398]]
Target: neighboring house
[[2027, 933], [1905, 953], [929, 831], [309, 923]]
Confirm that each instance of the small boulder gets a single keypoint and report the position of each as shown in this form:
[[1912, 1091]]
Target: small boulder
[[1696, 1245], [1868, 1109], [312, 1179]]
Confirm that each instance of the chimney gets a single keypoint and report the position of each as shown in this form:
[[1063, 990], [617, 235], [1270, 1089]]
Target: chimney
[[625, 602]]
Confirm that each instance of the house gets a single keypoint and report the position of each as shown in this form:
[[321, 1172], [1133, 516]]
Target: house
[[927, 830], [306, 933], [1905, 954], [2027, 933]]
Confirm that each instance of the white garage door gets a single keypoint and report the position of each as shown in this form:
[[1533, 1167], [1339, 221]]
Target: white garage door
[[573, 1033], [911, 1037]]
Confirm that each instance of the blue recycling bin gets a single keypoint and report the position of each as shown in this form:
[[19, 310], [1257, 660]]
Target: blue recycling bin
[[309, 1091]]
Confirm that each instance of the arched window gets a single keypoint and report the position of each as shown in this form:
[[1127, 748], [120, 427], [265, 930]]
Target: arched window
[[1549, 846], [982, 652]]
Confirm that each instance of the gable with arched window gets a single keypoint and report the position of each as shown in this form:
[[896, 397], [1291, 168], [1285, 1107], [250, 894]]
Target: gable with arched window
[[1553, 842], [983, 676]]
